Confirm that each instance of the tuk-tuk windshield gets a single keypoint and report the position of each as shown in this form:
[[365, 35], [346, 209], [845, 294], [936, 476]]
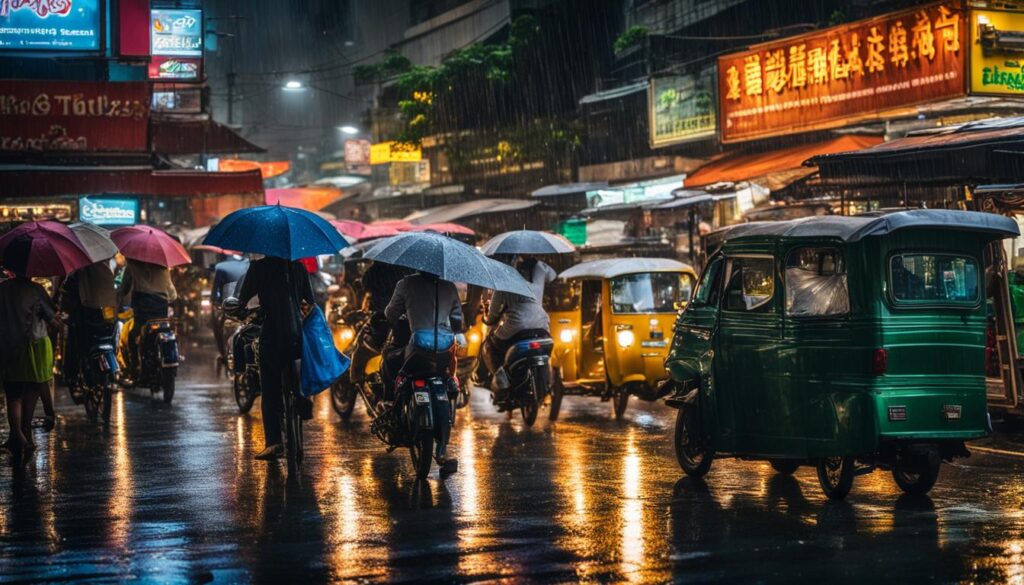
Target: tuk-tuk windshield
[[933, 278], [562, 295], [657, 292]]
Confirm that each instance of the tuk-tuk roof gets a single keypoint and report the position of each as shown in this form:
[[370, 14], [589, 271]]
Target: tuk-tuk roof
[[853, 229], [613, 267]]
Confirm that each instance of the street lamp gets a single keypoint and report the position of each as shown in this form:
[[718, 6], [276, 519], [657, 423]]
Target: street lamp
[[293, 85], [349, 129]]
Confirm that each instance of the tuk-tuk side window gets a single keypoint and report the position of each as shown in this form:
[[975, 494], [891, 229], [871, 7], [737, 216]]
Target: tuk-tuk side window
[[657, 292], [709, 285], [931, 279], [816, 283], [751, 285], [562, 295]]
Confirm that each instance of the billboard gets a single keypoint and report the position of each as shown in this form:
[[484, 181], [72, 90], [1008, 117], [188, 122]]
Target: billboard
[[176, 33], [997, 63], [87, 116], [108, 211], [681, 108], [175, 68], [842, 75], [389, 152], [50, 25]]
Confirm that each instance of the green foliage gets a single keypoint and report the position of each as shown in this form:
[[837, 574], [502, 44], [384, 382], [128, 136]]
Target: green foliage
[[632, 36], [838, 17], [393, 63]]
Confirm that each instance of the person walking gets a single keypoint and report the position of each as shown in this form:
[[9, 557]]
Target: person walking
[[26, 355], [283, 290]]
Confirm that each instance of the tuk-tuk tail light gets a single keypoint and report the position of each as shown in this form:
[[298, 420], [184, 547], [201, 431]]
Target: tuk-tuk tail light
[[879, 361]]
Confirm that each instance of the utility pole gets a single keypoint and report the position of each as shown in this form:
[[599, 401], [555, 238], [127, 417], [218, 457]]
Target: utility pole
[[231, 97]]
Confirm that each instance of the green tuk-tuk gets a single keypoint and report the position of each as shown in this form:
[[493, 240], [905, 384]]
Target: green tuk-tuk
[[849, 343]]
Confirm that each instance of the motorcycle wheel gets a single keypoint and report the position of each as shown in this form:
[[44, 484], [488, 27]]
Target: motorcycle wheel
[[93, 400], [343, 398], [420, 451], [167, 383], [530, 403], [244, 396], [557, 391], [108, 392]]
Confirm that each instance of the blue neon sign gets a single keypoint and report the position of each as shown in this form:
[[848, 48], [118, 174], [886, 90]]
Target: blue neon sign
[[108, 211], [50, 25]]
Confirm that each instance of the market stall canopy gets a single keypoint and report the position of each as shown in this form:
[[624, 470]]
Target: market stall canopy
[[852, 229], [466, 209], [988, 151], [615, 93], [775, 169], [311, 198], [568, 189], [174, 136], [47, 181], [268, 169]]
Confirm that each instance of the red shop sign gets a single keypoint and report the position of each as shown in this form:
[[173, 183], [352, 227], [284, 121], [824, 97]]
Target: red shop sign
[[58, 116]]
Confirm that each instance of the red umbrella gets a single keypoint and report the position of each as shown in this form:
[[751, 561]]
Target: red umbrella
[[444, 228], [42, 248], [361, 231], [149, 244]]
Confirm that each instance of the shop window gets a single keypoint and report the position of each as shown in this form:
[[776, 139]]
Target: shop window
[[816, 284]]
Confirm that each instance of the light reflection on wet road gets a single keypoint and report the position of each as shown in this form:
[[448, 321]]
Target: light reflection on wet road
[[171, 494]]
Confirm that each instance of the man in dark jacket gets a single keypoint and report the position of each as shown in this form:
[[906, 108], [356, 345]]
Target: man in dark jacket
[[282, 287]]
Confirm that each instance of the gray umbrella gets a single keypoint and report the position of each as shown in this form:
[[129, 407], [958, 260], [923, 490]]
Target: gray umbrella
[[449, 259], [95, 240], [527, 242]]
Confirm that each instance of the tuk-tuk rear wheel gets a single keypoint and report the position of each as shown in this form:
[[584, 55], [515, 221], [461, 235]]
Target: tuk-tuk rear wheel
[[835, 474], [918, 481], [694, 460]]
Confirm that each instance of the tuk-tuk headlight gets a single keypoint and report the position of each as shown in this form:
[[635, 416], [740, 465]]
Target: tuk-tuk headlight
[[625, 338], [565, 335], [474, 337], [347, 334]]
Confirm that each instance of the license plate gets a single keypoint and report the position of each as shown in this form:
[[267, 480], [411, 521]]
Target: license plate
[[421, 397], [897, 413], [442, 396], [952, 411], [660, 343]]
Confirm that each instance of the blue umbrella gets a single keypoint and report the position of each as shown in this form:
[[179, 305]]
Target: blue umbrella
[[276, 230]]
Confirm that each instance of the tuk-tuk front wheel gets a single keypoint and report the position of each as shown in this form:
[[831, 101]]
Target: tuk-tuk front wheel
[[835, 474], [693, 458], [620, 399], [918, 479]]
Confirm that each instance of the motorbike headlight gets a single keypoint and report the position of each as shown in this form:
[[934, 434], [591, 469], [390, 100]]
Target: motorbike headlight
[[625, 338], [347, 334], [565, 336]]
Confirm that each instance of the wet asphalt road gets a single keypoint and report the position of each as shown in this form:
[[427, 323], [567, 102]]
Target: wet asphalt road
[[172, 495]]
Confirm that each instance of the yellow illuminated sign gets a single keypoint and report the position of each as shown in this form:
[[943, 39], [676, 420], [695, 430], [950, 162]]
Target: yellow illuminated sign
[[389, 152], [997, 61]]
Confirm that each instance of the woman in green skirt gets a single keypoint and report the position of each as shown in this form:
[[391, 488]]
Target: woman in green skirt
[[26, 355]]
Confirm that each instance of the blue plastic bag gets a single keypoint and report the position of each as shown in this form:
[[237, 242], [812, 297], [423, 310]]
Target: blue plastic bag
[[322, 363]]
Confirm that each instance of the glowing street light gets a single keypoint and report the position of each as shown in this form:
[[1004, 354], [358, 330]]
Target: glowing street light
[[349, 129], [293, 84]]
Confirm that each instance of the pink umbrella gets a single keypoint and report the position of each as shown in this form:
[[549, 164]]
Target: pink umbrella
[[361, 231], [398, 224], [444, 228], [42, 248], [149, 244]]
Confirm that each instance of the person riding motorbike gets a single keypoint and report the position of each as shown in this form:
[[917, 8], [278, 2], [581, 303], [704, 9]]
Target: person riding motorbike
[[84, 295], [514, 318], [148, 289], [226, 276], [434, 314], [282, 287], [379, 282]]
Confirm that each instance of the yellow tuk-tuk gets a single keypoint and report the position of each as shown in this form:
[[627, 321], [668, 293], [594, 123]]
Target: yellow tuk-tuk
[[612, 322]]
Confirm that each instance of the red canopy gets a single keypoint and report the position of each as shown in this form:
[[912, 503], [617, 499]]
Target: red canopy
[[54, 181], [444, 228]]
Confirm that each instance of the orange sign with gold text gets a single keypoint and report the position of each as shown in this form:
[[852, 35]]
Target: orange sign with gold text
[[844, 74]]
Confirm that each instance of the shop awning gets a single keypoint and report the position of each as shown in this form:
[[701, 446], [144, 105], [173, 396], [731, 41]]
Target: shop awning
[[989, 151], [457, 211], [312, 198], [615, 93], [775, 169], [568, 189], [173, 136], [36, 182]]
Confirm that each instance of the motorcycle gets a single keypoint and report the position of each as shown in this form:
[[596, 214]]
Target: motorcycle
[[93, 384], [525, 378], [158, 358], [421, 414], [244, 343], [344, 391]]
